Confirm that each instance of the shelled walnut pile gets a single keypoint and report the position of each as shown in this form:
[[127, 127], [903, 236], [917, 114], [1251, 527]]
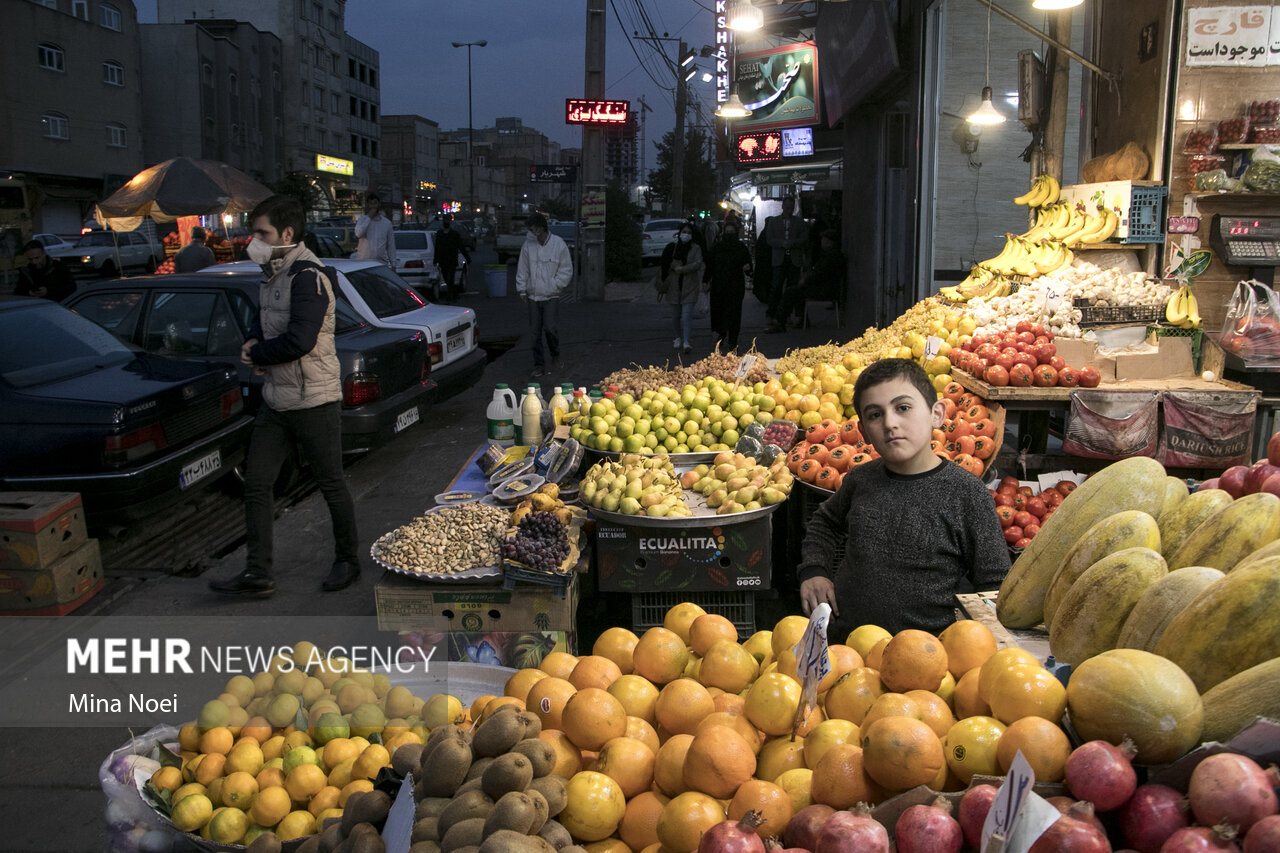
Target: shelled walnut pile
[[452, 540]]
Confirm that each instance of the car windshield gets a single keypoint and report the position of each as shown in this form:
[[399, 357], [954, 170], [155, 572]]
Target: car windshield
[[97, 238], [411, 240], [49, 343], [664, 225], [383, 291]]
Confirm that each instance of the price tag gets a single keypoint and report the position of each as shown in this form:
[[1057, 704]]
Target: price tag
[[744, 367], [1052, 299], [932, 345], [1034, 818], [1009, 799], [812, 662]]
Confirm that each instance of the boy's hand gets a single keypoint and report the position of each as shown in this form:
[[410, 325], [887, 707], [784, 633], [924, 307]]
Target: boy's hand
[[815, 591]]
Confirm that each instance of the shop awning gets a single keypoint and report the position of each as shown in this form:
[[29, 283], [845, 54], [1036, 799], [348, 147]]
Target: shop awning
[[799, 173]]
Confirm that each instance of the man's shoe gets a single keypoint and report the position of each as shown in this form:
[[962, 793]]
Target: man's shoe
[[558, 363], [677, 343], [246, 583], [688, 348], [537, 371], [341, 576]]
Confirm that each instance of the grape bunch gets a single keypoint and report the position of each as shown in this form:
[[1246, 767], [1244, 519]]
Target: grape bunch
[[541, 542], [779, 432]]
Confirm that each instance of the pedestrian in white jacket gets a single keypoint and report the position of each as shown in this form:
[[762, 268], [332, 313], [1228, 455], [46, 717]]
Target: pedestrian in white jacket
[[544, 271]]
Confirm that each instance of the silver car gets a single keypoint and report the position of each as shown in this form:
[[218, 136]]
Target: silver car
[[656, 235], [416, 258], [108, 253]]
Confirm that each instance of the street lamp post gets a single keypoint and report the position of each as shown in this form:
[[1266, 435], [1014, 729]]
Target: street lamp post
[[471, 132]]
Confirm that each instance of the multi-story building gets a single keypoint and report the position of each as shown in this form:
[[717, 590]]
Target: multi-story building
[[509, 147], [316, 63], [363, 111], [411, 164], [621, 154], [71, 108], [222, 95]]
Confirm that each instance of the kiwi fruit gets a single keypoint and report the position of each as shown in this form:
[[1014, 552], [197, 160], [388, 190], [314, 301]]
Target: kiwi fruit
[[541, 811], [506, 841], [408, 758], [467, 805], [555, 834], [478, 767], [469, 785], [430, 807], [462, 834], [311, 845], [365, 807], [444, 768], [497, 735], [541, 754], [514, 810], [510, 772], [553, 791], [426, 829], [267, 842], [330, 837], [425, 847], [532, 724], [364, 838]]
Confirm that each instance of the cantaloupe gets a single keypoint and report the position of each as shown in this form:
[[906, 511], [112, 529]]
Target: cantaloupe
[[1180, 522], [1232, 704], [1232, 533], [1095, 608], [1128, 529], [1162, 601]]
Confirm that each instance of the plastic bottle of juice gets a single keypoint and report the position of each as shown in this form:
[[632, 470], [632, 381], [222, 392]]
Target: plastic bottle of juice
[[531, 414], [558, 404]]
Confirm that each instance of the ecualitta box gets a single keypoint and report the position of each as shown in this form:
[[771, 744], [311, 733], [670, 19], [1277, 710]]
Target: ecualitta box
[[693, 558]]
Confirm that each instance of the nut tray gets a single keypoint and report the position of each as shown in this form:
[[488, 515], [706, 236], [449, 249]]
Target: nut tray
[[481, 574]]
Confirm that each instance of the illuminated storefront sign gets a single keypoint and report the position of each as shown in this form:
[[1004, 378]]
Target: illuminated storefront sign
[[723, 35], [581, 111], [759, 147], [779, 85], [325, 163], [797, 142]]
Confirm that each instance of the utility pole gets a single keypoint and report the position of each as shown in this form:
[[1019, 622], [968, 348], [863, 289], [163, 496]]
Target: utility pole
[[471, 131], [644, 175], [677, 148], [592, 272]]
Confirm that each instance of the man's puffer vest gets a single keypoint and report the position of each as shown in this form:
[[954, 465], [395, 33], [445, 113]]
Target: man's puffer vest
[[316, 378]]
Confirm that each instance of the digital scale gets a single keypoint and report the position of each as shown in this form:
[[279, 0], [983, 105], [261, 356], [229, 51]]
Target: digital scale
[[1247, 241]]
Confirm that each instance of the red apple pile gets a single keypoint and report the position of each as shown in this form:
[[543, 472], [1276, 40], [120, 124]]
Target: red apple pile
[[1022, 512], [1021, 356], [1261, 476], [166, 268]]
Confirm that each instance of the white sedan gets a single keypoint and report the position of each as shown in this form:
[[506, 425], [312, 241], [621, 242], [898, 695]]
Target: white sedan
[[416, 258], [656, 235], [382, 298], [51, 242], [109, 253]]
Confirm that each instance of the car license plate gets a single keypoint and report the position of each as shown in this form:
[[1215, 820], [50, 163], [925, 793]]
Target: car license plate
[[407, 418], [456, 342], [193, 472]]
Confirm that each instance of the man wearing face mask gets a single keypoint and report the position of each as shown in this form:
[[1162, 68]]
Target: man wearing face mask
[[292, 345], [376, 236], [544, 271]]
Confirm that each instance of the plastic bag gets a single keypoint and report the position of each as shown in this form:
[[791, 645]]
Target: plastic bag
[[1252, 327], [1113, 424], [132, 823], [702, 308]]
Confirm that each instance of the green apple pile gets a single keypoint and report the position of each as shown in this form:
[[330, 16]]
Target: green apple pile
[[736, 483], [707, 416], [635, 485]]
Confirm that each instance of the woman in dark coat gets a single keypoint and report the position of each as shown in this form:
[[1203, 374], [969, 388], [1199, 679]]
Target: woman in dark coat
[[728, 263]]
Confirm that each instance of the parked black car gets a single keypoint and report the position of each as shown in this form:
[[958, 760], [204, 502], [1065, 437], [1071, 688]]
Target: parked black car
[[386, 380], [82, 412]]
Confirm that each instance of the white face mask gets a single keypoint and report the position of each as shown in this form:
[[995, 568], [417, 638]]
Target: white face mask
[[685, 238], [261, 252]]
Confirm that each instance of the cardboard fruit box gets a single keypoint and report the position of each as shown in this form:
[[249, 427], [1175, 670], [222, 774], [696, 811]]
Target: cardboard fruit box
[[36, 528], [53, 590]]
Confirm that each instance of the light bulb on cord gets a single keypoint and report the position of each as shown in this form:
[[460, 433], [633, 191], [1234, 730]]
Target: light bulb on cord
[[733, 108], [986, 113], [745, 16]]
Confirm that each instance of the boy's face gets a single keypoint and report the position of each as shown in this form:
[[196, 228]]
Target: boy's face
[[899, 424]]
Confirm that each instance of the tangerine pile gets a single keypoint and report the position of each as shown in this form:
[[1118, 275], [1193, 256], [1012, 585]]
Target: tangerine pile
[[694, 726]]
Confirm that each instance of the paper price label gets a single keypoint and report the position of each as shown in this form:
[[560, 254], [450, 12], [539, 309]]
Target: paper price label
[[932, 345], [1009, 799], [744, 367], [1052, 299]]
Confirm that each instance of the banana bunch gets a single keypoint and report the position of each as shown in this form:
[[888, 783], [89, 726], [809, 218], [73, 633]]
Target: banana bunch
[[1029, 258], [1044, 190], [982, 283], [1071, 224], [1182, 309]]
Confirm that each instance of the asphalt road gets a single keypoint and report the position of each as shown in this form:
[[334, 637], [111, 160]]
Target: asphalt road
[[49, 789]]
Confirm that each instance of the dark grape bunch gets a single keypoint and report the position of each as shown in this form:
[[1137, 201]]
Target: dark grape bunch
[[779, 432], [540, 542]]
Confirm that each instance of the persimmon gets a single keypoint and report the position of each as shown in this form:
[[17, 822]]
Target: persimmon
[[976, 413], [817, 453], [840, 458], [953, 391], [983, 447], [833, 441], [966, 444], [985, 428], [808, 470], [852, 432], [828, 478]]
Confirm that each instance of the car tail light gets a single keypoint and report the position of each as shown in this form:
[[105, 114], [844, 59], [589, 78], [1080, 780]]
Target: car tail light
[[232, 403], [361, 388], [126, 447], [415, 265], [475, 332], [437, 352]]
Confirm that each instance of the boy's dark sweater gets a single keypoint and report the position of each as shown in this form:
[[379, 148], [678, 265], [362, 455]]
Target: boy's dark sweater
[[912, 543]]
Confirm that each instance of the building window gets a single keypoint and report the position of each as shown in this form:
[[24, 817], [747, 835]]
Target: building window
[[335, 25], [80, 9], [112, 73], [317, 12], [354, 109], [364, 110], [109, 17], [55, 126], [115, 136], [373, 113], [355, 144], [364, 71], [373, 77], [206, 74], [336, 106], [50, 56], [317, 98], [373, 149], [351, 68]]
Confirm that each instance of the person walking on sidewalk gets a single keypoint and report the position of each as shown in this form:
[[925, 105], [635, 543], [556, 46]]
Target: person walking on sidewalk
[[448, 246], [544, 271], [292, 346], [682, 284], [787, 235], [728, 263], [377, 237]]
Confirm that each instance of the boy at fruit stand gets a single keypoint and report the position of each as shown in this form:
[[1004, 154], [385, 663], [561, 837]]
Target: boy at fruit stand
[[917, 528]]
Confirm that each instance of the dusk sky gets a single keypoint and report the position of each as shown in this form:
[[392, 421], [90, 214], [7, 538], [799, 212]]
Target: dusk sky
[[533, 61]]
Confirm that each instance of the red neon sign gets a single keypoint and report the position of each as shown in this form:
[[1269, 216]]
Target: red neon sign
[[582, 111]]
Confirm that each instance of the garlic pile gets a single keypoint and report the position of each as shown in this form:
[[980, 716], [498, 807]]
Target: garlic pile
[[1051, 299]]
